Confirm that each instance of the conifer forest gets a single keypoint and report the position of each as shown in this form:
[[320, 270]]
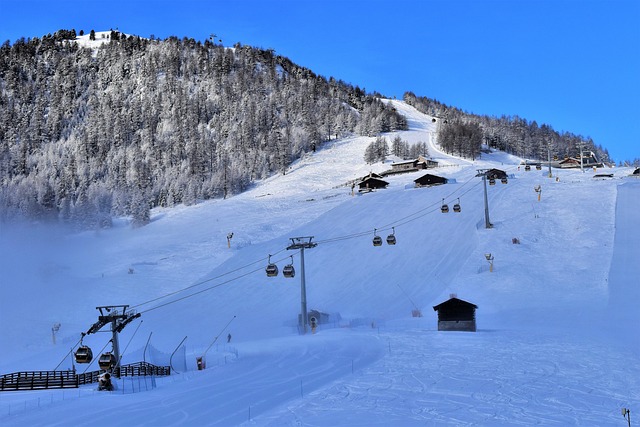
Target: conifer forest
[[89, 134]]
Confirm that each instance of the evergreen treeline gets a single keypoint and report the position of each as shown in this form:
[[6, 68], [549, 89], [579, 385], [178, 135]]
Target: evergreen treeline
[[378, 150], [86, 135], [463, 134]]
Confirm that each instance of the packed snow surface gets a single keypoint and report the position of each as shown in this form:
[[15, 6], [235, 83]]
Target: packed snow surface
[[558, 339]]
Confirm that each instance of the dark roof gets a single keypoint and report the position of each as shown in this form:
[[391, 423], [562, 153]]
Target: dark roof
[[430, 179], [453, 302], [496, 174], [636, 172], [373, 183], [371, 175]]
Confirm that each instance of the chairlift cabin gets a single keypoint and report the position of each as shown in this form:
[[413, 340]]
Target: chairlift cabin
[[456, 207], [504, 180], [377, 240], [391, 238], [289, 271], [538, 167], [83, 354], [107, 361], [272, 269], [492, 181], [527, 167], [445, 207]]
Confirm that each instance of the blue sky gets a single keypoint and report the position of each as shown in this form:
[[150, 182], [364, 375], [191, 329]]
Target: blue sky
[[572, 64]]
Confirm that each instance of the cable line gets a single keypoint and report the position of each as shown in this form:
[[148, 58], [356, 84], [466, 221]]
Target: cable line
[[434, 207]]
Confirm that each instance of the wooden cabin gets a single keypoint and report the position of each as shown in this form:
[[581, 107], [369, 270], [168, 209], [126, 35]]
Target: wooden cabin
[[371, 183], [496, 174], [636, 173], [428, 180], [412, 165], [588, 161], [456, 315]]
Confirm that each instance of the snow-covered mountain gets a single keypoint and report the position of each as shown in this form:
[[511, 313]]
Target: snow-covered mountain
[[557, 342]]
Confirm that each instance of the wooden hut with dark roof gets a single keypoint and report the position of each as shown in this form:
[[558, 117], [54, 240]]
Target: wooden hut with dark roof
[[456, 315], [496, 174], [428, 180], [370, 183]]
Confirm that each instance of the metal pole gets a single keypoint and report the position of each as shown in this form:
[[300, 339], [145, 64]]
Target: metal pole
[[144, 359], [114, 342], [303, 294], [487, 223], [549, 158], [299, 243], [174, 352], [581, 165]]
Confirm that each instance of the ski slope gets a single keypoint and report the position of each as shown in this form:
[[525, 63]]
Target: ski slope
[[557, 340]]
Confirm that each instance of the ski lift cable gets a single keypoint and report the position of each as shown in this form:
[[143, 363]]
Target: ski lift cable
[[402, 221], [101, 352], [203, 282], [70, 351], [434, 207], [130, 339], [206, 289]]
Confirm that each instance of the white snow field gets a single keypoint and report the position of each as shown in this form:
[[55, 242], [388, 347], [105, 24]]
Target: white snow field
[[558, 339]]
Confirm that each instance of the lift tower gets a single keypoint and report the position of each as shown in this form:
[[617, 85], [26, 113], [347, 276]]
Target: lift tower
[[302, 243], [118, 317]]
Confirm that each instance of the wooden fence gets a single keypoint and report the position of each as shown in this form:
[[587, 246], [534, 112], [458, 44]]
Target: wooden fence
[[42, 380], [38, 380]]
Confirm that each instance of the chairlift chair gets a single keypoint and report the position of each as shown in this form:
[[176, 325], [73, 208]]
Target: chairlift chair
[[83, 354], [288, 270], [444, 208], [107, 361], [391, 238]]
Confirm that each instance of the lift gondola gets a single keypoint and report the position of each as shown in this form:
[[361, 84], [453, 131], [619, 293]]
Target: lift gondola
[[391, 238], [288, 270], [83, 354], [377, 240], [107, 361], [272, 269], [456, 207], [527, 167], [492, 181], [444, 208], [504, 180], [538, 167]]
